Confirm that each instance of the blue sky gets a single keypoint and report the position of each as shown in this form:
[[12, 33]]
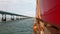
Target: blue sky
[[23, 7]]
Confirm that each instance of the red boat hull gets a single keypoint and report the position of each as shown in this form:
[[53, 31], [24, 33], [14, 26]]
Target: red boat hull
[[50, 11]]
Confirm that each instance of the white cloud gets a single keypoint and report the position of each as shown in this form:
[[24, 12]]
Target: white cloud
[[25, 7]]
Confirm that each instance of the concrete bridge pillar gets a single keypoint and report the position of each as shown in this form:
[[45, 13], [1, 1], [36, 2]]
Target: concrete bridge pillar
[[3, 18], [12, 17], [17, 17]]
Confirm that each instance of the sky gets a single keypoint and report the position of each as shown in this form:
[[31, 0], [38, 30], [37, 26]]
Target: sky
[[22, 7]]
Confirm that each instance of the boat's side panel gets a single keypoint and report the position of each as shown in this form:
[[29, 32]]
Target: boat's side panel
[[50, 11]]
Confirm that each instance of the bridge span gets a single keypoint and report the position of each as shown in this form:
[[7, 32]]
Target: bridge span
[[3, 13]]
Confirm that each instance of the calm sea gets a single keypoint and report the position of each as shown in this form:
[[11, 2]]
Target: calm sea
[[17, 27]]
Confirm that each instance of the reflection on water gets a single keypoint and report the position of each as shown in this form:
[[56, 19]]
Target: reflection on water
[[17, 27]]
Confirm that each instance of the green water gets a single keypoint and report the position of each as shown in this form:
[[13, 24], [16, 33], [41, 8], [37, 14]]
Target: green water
[[17, 27]]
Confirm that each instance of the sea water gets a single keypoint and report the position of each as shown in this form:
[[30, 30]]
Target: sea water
[[17, 27]]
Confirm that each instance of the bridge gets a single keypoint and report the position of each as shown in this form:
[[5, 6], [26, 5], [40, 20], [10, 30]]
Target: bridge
[[19, 24], [3, 13]]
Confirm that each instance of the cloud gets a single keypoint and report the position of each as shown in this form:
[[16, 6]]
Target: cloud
[[24, 7]]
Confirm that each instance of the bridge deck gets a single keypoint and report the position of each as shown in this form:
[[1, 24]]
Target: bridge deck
[[8, 13]]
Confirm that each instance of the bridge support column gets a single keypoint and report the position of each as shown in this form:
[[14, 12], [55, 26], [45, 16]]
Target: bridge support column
[[17, 18], [20, 18], [3, 18], [12, 17]]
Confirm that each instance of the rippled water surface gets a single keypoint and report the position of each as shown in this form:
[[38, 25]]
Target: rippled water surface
[[17, 27]]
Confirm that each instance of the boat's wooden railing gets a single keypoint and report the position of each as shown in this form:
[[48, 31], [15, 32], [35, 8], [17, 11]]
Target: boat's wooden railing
[[38, 26]]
